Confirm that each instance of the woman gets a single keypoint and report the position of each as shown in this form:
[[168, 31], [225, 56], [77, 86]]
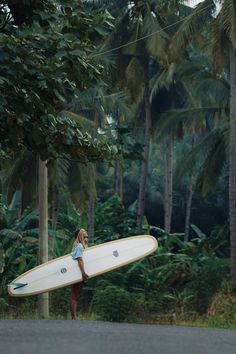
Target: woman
[[81, 242]]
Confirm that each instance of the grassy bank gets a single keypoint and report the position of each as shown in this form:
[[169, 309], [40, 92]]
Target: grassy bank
[[221, 321]]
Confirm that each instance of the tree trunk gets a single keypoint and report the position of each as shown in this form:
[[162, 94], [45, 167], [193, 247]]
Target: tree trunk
[[29, 184], [116, 178], [188, 210], [121, 192], [144, 165], [54, 215], [2, 262], [43, 231], [168, 195], [91, 217], [232, 163]]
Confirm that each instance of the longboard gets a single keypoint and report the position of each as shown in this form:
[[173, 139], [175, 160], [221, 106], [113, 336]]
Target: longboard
[[64, 271]]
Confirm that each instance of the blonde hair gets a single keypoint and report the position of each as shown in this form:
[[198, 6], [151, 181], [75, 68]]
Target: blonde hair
[[79, 238]]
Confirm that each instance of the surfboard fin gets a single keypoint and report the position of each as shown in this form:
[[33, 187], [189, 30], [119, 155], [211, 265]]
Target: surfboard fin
[[18, 285]]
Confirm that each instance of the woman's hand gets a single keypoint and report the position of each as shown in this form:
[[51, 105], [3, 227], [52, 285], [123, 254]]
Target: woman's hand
[[85, 276]]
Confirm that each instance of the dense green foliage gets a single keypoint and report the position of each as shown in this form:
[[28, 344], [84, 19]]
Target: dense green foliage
[[180, 278], [42, 62], [105, 298], [113, 221], [75, 91]]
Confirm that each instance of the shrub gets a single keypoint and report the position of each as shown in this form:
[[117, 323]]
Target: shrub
[[113, 221], [112, 303], [222, 311]]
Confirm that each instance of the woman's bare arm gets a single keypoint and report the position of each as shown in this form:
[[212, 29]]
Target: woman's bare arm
[[81, 266]]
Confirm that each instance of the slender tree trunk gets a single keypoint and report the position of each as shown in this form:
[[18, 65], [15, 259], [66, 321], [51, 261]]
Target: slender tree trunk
[[2, 263], [121, 191], [168, 197], [147, 137], [43, 230], [54, 215], [116, 178], [188, 210], [55, 207], [28, 185], [91, 217], [232, 163]]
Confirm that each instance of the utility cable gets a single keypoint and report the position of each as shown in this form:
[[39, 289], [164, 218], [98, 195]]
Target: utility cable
[[151, 34]]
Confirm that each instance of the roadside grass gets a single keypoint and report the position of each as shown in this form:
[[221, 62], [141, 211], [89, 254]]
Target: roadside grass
[[167, 319], [20, 315], [221, 313], [27, 309]]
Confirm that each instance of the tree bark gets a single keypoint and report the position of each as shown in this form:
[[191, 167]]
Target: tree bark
[[28, 182], [188, 210], [54, 214], [168, 195], [121, 192], [91, 217], [232, 163], [43, 231], [147, 136], [116, 178], [2, 262]]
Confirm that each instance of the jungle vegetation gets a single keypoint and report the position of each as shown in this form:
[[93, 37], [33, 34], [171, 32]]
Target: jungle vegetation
[[120, 117]]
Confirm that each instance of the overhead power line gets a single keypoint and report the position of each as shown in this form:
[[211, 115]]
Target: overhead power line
[[150, 34]]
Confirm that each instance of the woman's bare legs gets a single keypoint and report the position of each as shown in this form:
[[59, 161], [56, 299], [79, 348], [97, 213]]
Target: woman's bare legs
[[75, 293]]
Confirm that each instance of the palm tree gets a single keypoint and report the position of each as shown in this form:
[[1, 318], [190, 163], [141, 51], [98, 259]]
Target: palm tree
[[226, 30], [205, 101], [223, 39], [139, 19], [43, 230], [95, 109]]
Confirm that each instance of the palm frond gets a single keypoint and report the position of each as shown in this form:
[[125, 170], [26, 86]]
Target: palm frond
[[116, 104], [11, 180], [82, 181], [21, 176], [203, 159], [72, 212], [191, 28], [212, 167], [219, 44], [192, 119], [134, 80], [31, 240], [162, 80], [84, 123], [120, 34], [131, 46], [27, 218], [58, 172], [170, 7], [228, 19], [217, 91], [157, 43], [10, 234], [98, 102]]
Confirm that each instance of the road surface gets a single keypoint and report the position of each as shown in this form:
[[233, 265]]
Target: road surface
[[95, 337]]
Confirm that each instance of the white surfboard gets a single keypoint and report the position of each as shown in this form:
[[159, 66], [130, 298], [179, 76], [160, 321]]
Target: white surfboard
[[99, 259]]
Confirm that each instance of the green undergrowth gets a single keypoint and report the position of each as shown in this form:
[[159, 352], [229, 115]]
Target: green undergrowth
[[221, 312], [165, 319], [222, 317]]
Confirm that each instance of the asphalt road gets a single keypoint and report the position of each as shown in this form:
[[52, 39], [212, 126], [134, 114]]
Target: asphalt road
[[88, 337]]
